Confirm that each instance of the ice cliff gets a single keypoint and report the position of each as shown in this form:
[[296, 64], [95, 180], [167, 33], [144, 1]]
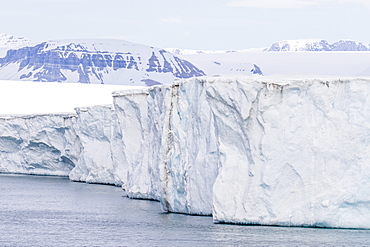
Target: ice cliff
[[246, 150], [142, 117], [263, 152], [101, 156], [299, 154], [38, 144]]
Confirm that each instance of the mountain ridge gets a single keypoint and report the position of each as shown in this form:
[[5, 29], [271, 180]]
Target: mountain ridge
[[95, 61], [318, 45], [10, 41], [286, 45]]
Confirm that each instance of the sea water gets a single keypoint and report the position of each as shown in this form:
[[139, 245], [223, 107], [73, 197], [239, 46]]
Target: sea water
[[52, 211]]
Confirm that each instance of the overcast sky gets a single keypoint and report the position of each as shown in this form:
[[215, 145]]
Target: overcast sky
[[193, 24]]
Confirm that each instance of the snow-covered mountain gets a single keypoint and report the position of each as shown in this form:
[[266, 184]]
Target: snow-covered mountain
[[318, 58], [10, 41], [95, 61], [286, 45], [318, 45]]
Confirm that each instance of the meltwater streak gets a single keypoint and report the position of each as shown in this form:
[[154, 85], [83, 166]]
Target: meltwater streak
[[52, 211]]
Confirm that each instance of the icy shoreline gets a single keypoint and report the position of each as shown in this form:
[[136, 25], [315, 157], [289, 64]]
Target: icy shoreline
[[246, 150]]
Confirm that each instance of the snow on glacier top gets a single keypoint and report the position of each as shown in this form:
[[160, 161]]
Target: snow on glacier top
[[25, 97], [314, 64]]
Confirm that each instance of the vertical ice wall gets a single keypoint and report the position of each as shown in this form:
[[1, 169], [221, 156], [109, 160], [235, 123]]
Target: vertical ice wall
[[169, 145], [245, 150], [101, 158], [142, 116], [307, 155], [254, 152], [172, 139], [209, 124], [191, 162], [38, 144]]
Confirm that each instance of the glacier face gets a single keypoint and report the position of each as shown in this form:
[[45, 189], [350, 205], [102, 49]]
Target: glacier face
[[307, 162], [169, 145], [256, 152], [38, 144], [192, 151], [246, 150], [142, 118], [95, 61], [101, 156]]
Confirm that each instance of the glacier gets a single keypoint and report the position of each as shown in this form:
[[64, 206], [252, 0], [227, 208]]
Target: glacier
[[251, 151], [192, 151], [100, 158], [304, 159], [244, 150], [142, 118], [38, 144]]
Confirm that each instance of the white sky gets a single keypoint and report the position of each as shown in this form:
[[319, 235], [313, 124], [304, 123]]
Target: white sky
[[192, 24]]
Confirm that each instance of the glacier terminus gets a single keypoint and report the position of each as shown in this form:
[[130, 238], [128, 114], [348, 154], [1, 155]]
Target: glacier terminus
[[246, 150]]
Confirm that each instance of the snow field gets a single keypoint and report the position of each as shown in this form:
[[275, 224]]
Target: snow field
[[26, 97], [285, 64]]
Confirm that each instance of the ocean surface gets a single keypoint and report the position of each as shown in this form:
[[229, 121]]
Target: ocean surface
[[52, 211]]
